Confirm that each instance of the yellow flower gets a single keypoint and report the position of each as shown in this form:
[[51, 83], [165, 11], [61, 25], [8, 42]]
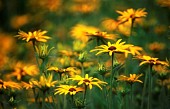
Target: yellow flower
[[44, 82], [65, 89], [36, 35], [89, 81], [164, 3], [79, 32], [21, 70], [131, 79], [156, 46], [131, 15], [150, 60], [102, 35], [61, 71], [134, 50], [9, 84], [118, 47], [26, 85]]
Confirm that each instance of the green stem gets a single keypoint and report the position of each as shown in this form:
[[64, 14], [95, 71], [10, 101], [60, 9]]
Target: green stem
[[65, 102], [144, 91], [33, 43], [150, 88], [82, 70], [131, 96], [111, 84], [85, 92]]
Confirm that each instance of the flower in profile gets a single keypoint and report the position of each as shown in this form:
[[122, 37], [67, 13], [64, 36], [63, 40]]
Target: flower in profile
[[65, 89], [150, 60], [21, 70], [130, 79], [156, 46], [9, 84], [118, 47], [36, 35], [43, 51], [134, 50], [131, 15], [44, 83], [102, 35], [27, 85], [88, 81], [79, 32]]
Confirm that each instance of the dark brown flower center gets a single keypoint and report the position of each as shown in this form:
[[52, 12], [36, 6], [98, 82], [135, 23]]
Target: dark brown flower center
[[1, 82], [86, 80], [112, 48], [72, 89], [151, 61]]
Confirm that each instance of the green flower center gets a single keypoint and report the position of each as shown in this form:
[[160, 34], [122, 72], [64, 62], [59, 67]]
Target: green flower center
[[72, 89], [112, 48]]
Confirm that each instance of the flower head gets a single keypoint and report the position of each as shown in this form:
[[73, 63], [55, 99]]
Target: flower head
[[89, 81], [43, 51], [9, 84], [150, 60], [131, 79], [44, 83], [65, 89], [118, 47], [103, 35], [131, 15], [36, 35]]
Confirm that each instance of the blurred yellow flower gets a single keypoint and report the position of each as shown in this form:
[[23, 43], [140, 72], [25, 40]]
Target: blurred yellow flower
[[131, 15], [134, 50], [131, 79], [21, 70], [110, 24], [79, 32], [102, 35], [84, 6], [89, 81], [9, 84], [65, 89], [118, 47], [164, 3], [156, 46], [36, 35], [44, 83], [150, 60], [26, 85]]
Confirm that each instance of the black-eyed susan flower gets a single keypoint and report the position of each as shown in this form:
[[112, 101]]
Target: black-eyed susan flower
[[88, 81], [36, 35], [102, 35], [131, 15], [68, 89], [130, 79], [150, 60], [9, 84], [134, 50], [21, 70], [118, 47], [44, 83], [79, 32]]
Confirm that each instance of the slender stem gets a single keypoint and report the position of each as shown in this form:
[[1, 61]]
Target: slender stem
[[111, 83], [131, 96], [150, 88], [33, 43], [84, 96], [144, 91], [65, 102], [82, 70]]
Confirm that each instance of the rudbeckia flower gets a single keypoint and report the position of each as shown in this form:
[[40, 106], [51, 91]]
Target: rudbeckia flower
[[36, 35], [131, 15], [65, 89], [150, 60], [89, 81], [118, 47], [9, 84], [44, 82], [131, 79]]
